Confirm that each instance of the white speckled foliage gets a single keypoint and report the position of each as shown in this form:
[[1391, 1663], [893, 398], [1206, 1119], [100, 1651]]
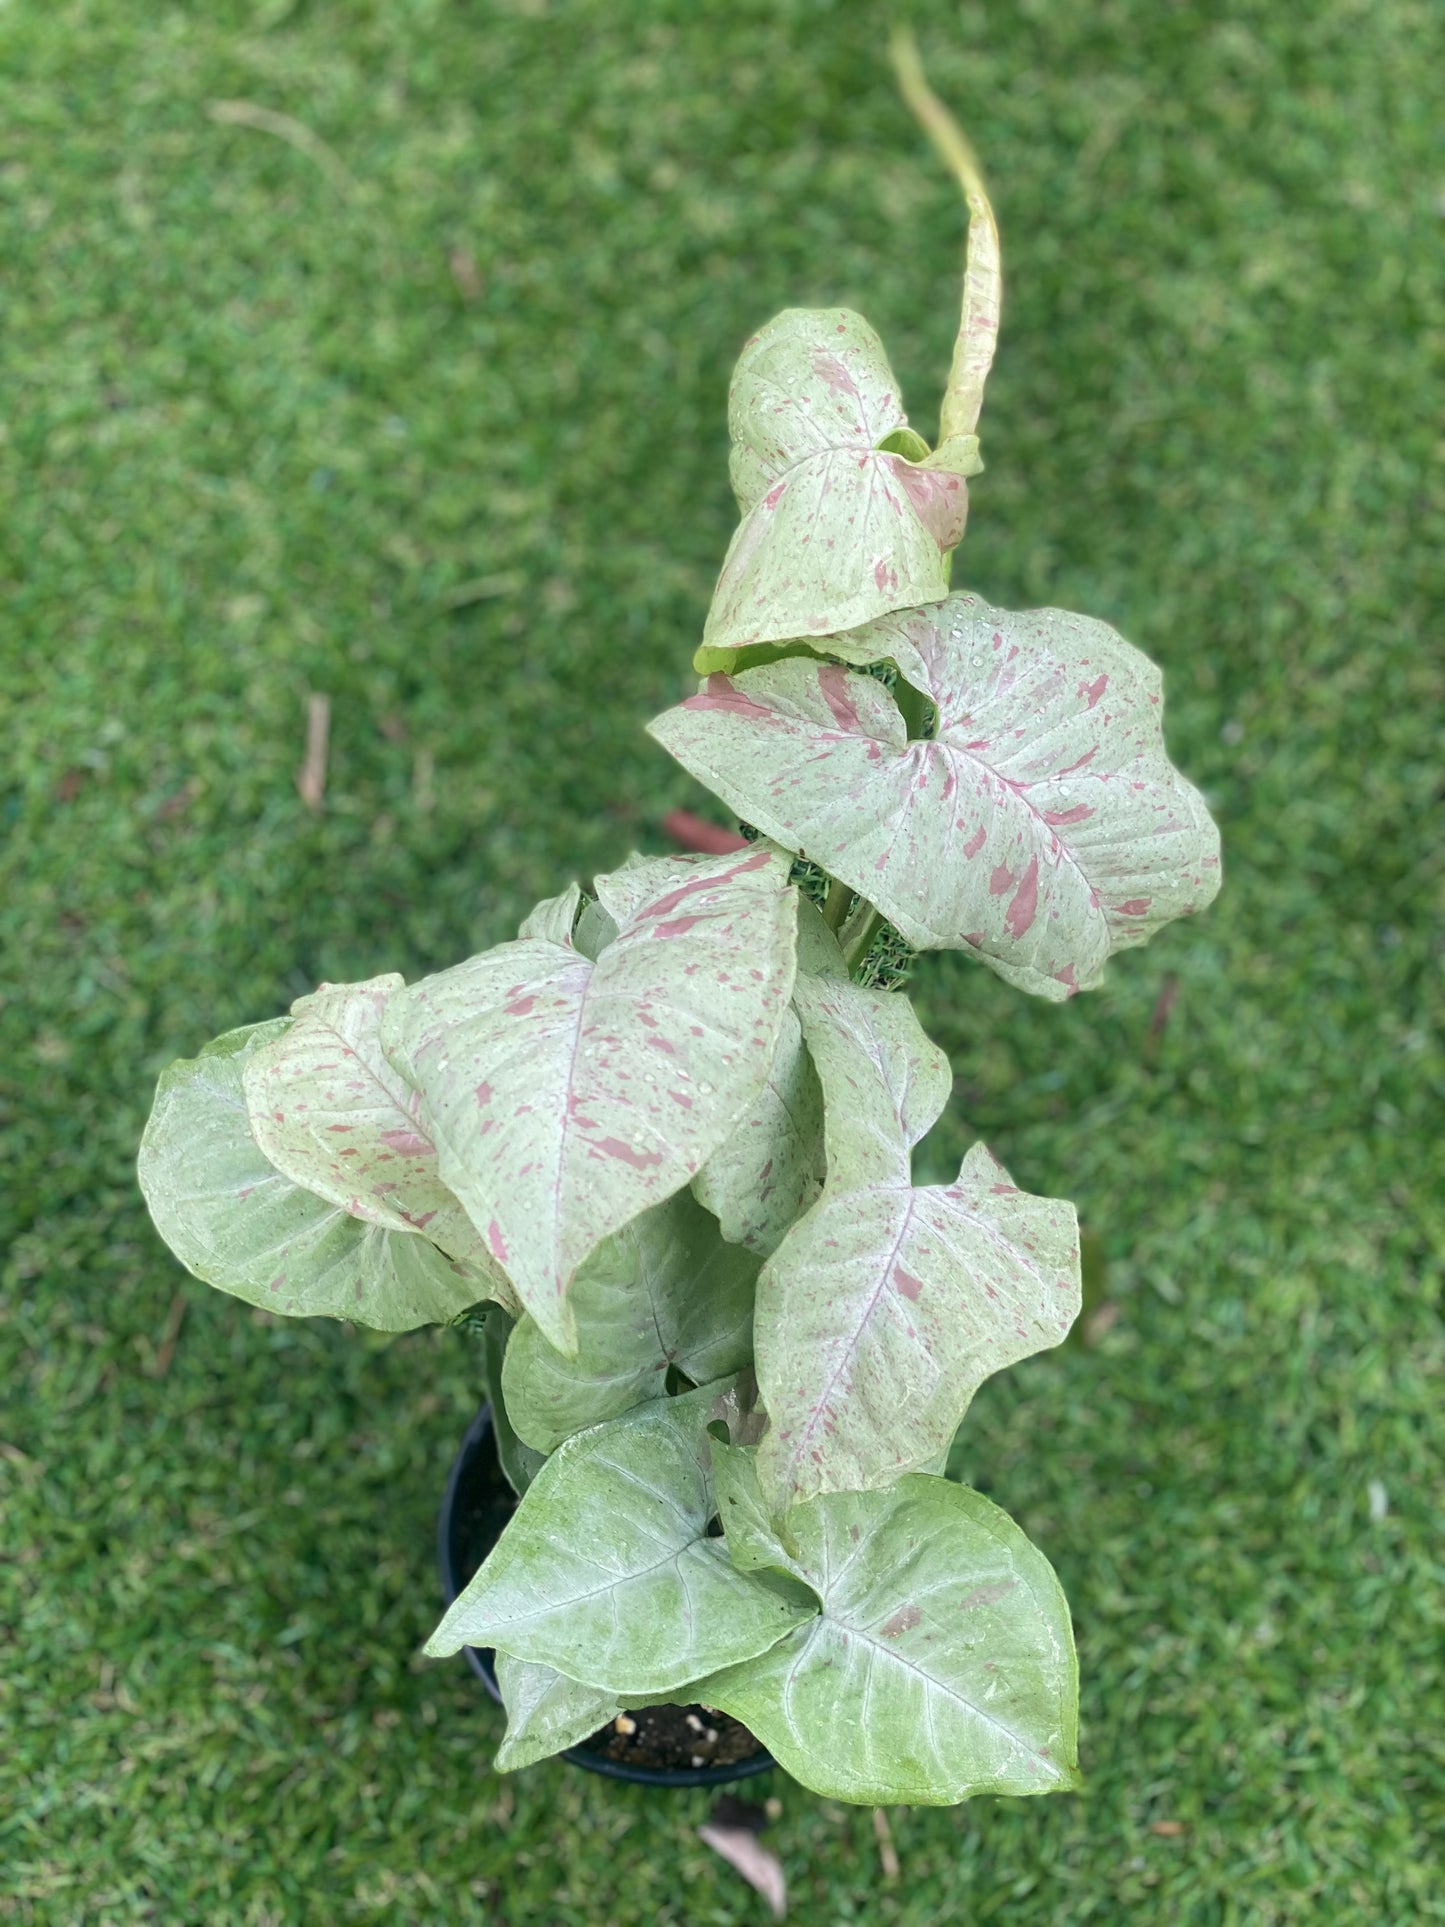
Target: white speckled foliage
[[836, 528], [242, 1225], [887, 1305], [940, 1662], [669, 1129], [1039, 825], [566, 1096]]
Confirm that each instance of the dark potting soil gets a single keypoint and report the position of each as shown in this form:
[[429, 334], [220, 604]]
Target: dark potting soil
[[653, 1736]]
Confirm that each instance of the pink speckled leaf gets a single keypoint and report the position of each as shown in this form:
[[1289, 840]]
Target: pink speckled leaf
[[836, 530], [884, 1310], [886, 1307], [329, 1111], [771, 1168], [566, 1096], [237, 1222], [1042, 827]]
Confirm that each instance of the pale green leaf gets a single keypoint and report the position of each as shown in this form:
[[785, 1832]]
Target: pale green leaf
[[771, 1168], [665, 1290], [835, 530], [235, 1221], [329, 1111], [519, 1461], [756, 1541], [554, 918], [546, 1712], [1042, 827], [595, 930], [940, 1666], [818, 952], [567, 1096], [606, 1573], [885, 1082]]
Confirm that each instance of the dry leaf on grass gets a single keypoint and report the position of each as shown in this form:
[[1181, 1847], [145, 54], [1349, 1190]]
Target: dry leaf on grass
[[757, 1864]]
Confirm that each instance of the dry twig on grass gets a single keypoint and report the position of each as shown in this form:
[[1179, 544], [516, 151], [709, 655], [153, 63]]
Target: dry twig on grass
[[311, 777], [265, 120]]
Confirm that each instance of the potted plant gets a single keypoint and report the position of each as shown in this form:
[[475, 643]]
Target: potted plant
[[663, 1138]]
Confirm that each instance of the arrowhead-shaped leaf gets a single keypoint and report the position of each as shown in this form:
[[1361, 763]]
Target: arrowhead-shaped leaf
[[886, 1307], [884, 1310], [665, 1290], [595, 930], [835, 529], [819, 954], [566, 1096], [757, 1542], [606, 1573], [546, 1712], [1042, 827], [234, 1220], [329, 1111], [940, 1666]]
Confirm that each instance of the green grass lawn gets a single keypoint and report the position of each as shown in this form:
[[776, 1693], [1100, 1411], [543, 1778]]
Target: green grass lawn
[[430, 420]]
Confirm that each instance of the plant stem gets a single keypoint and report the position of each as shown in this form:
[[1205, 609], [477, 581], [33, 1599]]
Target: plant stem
[[835, 904], [913, 707], [858, 933]]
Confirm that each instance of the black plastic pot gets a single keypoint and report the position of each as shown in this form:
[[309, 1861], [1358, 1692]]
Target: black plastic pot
[[477, 1504]]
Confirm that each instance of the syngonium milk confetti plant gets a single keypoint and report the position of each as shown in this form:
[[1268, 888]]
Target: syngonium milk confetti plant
[[667, 1131]]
